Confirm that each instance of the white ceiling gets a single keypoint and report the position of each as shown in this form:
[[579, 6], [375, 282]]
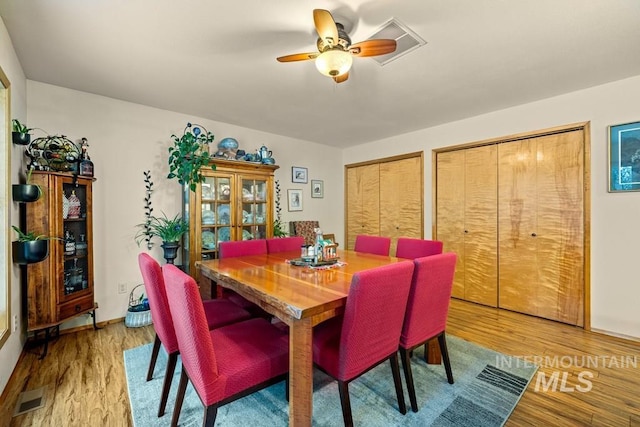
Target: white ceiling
[[216, 59]]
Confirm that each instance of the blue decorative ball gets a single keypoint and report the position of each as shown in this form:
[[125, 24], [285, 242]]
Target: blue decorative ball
[[228, 144]]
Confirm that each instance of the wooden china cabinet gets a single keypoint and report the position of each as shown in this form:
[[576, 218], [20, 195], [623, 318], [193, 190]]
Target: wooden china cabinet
[[61, 287], [235, 202]]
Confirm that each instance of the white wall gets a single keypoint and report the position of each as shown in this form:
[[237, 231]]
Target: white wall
[[10, 351], [615, 217], [126, 139]]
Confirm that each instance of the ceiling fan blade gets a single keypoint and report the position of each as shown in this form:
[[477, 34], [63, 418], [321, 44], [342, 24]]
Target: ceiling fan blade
[[298, 57], [325, 26], [373, 47], [342, 78]]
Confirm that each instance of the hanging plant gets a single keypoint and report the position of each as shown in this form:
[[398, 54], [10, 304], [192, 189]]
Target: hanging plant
[[189, 153]]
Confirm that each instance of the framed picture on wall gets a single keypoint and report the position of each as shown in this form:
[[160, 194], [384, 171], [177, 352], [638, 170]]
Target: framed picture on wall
[[624, 157], [299, 174], [317, 189], [294, 199]]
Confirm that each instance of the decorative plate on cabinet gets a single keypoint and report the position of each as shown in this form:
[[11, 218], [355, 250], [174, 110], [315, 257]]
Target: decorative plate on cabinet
[[208, 240]]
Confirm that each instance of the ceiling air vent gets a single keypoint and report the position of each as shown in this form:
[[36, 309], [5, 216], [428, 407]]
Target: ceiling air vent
[[406, 40]]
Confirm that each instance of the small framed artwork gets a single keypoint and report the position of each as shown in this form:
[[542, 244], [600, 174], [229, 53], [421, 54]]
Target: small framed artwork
[[294, 199], [299, 174], [317, 189], [624, 157]]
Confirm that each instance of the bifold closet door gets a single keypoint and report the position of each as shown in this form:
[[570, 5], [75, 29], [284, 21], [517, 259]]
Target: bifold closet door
[[401, 193], [541, 226], [363, 202], [466, 198]]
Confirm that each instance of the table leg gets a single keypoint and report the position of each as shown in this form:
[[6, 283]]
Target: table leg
[[433, 355], [300, 373]]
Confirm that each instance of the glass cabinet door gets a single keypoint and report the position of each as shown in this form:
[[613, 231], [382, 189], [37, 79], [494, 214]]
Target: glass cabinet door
[[254, 209], [75, 239], [216, 214]]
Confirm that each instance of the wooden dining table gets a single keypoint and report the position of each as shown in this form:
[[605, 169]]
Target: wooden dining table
[[301, 297]]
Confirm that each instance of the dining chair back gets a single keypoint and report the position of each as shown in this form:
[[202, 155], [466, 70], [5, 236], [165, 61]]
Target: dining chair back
[[427, 311], [376, 245], [368, 333], [304, 229], [284, 244], [417, 248], [230, 249], [246, 357], [218, 313]]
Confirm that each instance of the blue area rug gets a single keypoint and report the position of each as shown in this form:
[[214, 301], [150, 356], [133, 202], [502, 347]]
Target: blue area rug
[[483, 394]]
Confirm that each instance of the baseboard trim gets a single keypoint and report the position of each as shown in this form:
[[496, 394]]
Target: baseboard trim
[[616, 335]]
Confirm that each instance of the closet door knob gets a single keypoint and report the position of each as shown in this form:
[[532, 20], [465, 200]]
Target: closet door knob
[[533, 234], [466, 231]]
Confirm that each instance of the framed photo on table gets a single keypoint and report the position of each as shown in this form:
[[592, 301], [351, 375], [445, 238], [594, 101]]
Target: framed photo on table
[[294, 199], [299, 174], [317, 189], [624, 157]]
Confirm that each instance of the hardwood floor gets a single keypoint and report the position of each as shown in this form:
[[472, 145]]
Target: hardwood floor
[[84, 372]]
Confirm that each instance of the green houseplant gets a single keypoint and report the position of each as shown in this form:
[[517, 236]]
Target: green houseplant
[[30, 247], [169, 230], [20, 133], [188, 154], [26, 192]]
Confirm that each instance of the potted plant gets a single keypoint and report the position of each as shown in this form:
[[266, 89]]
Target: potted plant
[[20, 133], [30, 247], [169, 230], [26, 192], [189, 153]]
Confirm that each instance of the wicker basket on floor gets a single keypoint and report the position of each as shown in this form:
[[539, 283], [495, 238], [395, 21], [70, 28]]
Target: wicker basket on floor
[[138, 313]]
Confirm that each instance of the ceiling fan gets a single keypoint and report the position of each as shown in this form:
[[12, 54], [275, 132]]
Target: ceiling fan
[[335, 51]]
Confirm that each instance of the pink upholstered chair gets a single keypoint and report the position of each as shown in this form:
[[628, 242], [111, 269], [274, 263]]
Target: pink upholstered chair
[[427, 311], [376, 245], [232, 249], [369, 331], [284, 244], [217, 312], [417, 248], [224, 364]]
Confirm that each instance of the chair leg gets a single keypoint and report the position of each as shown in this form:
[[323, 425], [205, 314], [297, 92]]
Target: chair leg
[[343, 388], [395, 370], [408, 377], [166, 385], [210, 413], [154, 357], [442, 341], [182, 388]]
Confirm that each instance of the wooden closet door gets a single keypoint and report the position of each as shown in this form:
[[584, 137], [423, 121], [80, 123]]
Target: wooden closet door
[[401, 213], [481, 225], [542, 246], [450, 171], [363, 202], [560, 232], [517, 229]]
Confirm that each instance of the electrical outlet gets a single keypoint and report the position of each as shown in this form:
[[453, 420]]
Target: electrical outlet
[[122, 288], [14, 325]]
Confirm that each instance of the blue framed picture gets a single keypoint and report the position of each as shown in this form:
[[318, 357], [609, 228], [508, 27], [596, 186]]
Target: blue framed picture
[[624, 157]]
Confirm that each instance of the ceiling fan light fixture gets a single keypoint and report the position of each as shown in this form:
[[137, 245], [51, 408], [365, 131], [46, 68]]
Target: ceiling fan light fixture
[[334, 62]]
